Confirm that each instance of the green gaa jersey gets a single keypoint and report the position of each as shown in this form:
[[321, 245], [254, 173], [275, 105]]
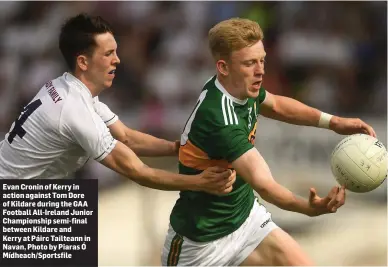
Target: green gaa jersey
[[220, 129]]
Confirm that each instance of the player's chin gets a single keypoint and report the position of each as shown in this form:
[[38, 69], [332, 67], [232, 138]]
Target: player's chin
[[253, 92], [108, 84]]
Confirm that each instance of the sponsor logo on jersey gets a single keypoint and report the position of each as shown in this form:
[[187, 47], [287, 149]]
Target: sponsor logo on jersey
[[52, 92], [265, 223]]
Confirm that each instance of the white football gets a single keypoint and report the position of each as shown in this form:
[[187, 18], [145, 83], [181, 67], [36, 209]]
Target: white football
[[360, 162]]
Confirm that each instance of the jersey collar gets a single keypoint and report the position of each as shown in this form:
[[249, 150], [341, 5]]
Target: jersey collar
[[71, 78], [223, 90]]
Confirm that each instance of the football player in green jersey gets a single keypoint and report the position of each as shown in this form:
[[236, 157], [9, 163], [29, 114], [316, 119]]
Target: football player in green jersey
[[234, 229]]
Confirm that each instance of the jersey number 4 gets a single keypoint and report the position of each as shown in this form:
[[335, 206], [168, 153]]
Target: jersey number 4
[[27, 111]]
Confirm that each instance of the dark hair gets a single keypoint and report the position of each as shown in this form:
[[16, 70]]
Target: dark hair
[[77, 36]]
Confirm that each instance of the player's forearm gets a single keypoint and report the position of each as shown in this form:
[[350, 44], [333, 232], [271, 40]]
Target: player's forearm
[[162, 180], [283, 198], [292, 111], [145, 145], [124, 161], [254, 170]]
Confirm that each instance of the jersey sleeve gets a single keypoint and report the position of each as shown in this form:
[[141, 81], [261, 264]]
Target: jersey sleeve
[[86, 128], [230, 142], [104, 112], [262, 95]]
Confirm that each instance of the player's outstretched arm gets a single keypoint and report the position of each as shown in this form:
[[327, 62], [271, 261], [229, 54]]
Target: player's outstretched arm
[[123, 160], [144, 145], [255, 171], [292, 111]]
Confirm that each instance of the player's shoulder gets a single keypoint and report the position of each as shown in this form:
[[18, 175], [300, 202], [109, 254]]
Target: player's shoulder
[[216, 105], [76, 95], [57, 92], [210, 87], [77, 101]]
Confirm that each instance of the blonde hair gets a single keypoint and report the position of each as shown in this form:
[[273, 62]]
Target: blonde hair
[[231, 35]]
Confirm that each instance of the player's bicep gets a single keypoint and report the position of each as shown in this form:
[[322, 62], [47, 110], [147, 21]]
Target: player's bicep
[[118, 130], [108, 117], [252, 167], [268, 104]]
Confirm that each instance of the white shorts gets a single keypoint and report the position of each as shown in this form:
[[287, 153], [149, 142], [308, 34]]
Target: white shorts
[[232, 249]]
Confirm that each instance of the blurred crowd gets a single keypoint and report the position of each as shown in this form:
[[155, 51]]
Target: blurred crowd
[[331, 55]]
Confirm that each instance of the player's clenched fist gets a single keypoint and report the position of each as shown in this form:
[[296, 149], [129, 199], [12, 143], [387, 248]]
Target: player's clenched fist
[[216, 180]]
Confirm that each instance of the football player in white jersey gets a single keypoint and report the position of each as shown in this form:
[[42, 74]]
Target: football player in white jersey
[[65, 124]]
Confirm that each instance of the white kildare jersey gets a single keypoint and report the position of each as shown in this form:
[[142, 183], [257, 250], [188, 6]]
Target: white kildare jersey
[[57, 132]]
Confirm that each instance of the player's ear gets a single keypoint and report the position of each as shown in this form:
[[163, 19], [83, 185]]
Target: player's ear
[[82, 62], [222, 67]]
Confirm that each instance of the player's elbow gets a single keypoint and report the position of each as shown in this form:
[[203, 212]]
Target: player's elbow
[[123, 161], [125, 138], [264, 193], [266, 190], [134, 170]]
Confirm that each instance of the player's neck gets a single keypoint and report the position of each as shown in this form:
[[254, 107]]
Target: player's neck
[[227, 84], [94, 90]]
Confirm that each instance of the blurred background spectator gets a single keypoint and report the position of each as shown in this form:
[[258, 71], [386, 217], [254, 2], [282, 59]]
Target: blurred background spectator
[[331, 55]]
